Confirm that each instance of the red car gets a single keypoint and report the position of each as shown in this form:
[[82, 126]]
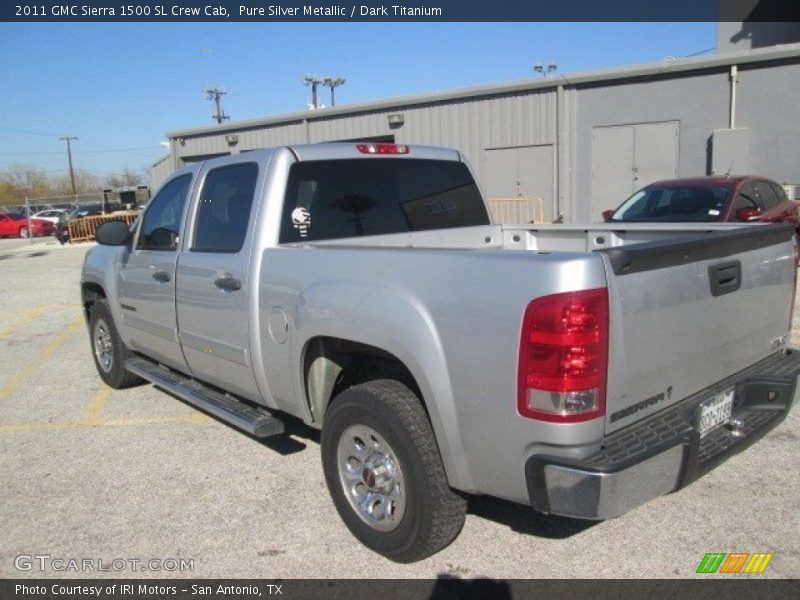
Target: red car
[[16, 225], [708, 199]]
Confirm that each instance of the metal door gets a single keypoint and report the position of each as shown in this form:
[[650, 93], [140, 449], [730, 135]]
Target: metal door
[[500, 173], [655, 153], [214, 287], [146, 277], [625, 158], [520, 172], [612, 167]]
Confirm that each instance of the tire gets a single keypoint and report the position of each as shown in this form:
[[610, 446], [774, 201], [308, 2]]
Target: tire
[[408, 511], [24, 232], [108, 349]]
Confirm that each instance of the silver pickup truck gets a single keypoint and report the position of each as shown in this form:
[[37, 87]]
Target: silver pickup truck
[[362, 288]]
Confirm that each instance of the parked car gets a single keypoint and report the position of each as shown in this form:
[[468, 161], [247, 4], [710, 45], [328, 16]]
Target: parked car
[[364, 289], [16, 225], [51, 215], [708, 200]]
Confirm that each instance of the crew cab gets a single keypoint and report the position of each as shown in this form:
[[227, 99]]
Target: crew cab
[[362, 288]]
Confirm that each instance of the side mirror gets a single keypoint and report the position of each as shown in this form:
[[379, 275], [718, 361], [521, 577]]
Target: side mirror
[[607, 215], [749, 213], [112, 233]]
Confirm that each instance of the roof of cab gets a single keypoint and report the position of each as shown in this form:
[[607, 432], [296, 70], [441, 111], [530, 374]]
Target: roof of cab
[[339, 150]]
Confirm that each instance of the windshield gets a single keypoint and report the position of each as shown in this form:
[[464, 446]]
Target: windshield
[[682, 204]]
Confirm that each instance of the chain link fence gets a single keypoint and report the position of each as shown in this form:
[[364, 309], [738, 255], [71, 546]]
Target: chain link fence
[[50, 208]]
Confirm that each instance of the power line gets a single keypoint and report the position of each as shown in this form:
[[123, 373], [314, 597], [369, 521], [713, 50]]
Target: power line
[[699, 52], [84, 151], [18, 130]]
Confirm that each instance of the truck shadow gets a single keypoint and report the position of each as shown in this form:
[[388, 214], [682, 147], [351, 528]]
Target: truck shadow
[[518, 517], [523, 519], [287, 442], [449, 587]]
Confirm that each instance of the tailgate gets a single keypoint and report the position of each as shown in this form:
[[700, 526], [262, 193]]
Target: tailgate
[[686, 313]]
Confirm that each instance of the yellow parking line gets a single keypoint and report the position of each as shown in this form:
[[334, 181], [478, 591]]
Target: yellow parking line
[[182, 419], [56, 343], [30, 315], [195, 418], [29, 309], [97, 404]]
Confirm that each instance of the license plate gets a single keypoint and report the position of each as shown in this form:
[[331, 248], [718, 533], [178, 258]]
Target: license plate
[[715, 412]]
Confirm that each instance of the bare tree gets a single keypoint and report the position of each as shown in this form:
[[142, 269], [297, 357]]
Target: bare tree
[[124, 178], [84, 182], [23, 180]]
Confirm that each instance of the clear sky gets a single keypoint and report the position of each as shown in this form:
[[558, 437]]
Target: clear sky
[[120, 87]]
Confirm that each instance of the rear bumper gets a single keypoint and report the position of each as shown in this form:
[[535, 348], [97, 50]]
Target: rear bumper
[[664, 452]]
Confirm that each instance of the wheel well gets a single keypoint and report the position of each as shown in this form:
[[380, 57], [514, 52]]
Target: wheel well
[[90, 293], [332, 365]]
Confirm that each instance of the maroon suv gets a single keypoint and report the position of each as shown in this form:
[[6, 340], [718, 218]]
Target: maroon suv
[[708, 199]]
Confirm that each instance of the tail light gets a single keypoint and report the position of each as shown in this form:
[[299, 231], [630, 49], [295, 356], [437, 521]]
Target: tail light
[[382, 148], [563, 357]]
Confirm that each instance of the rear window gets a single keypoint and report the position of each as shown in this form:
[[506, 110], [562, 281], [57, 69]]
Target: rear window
[[676, 204], [332, 199], [224, 212]]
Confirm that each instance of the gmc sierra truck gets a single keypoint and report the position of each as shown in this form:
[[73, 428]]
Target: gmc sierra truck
[[362, 288]]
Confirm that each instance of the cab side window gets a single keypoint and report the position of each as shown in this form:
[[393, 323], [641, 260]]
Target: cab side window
[[224, 208], [162, 220]]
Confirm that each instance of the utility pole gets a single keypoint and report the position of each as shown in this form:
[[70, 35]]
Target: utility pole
[[214, 93], [333, 83], [314, 82], [68, 139]]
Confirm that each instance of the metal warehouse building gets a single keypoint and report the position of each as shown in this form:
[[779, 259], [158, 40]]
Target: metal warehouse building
[[579, 142]]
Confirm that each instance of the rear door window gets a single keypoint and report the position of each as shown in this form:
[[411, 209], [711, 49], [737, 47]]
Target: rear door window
[[779, 192], [766, 194], [747, 198], [223, 215], [333, 199]]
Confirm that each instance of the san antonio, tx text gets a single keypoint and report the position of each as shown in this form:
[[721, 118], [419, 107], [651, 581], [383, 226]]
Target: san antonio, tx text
[[98, 591]]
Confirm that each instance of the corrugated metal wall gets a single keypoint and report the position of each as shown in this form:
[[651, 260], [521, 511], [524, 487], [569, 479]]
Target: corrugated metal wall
[[472, 125], [159, 172], [697, 100]]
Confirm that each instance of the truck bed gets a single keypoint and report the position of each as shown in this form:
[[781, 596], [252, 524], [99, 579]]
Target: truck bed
[[542, 238]]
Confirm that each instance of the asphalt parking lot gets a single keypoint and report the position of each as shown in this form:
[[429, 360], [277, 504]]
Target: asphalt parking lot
[[136, 474]]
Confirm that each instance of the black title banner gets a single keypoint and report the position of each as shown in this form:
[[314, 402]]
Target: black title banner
[[398, 10]]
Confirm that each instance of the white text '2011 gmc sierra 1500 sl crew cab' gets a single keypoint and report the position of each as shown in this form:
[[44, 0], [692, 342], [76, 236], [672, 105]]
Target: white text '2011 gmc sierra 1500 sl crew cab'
[[363, 289]]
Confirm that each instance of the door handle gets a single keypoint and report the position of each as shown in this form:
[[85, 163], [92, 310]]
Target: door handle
[[725, 278], [161, 276], [228, 283]]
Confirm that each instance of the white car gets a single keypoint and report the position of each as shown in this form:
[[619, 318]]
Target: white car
[[51, 215]]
